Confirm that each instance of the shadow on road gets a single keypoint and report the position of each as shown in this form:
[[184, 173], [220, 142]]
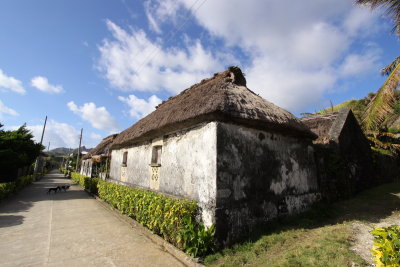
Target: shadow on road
[[10, 220], [25, 199]]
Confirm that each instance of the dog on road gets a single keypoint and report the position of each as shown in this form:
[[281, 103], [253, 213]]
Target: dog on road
[[64, 187], [54, 189]]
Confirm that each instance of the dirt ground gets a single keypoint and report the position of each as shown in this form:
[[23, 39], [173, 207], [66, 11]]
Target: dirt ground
[[363, 239]]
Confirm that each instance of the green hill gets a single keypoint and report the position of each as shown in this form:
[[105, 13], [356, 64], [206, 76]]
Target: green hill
[[359, 106]]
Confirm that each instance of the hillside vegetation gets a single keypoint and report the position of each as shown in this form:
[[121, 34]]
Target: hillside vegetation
[[359, 107]]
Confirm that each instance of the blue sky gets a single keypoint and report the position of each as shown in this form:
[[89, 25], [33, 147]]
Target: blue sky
[[102, 65]]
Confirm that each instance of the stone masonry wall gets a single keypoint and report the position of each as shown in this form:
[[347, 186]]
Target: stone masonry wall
[[260, 176]]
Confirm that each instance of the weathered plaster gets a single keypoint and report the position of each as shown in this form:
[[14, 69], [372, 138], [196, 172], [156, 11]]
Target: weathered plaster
[[188, 166], [260, 176]]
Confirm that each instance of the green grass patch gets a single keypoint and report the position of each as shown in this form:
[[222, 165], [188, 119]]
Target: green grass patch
[[319, 237]]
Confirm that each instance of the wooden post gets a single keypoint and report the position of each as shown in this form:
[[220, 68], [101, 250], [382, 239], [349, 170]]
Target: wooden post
[[79, 152]]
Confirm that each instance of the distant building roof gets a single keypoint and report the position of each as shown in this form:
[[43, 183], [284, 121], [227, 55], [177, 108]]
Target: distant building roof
[[103, 148]]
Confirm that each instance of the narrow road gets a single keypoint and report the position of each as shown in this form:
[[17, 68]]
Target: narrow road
[[70, 229]]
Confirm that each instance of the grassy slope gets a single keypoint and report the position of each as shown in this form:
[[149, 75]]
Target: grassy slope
[[320, 237], [358, 106]]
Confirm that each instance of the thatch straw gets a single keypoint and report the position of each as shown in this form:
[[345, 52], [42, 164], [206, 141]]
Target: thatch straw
[[223, 97], [101, 149], [320, 124]]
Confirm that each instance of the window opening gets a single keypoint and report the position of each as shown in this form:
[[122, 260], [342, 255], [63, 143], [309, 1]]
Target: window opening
[[156, 155], [124, 159]]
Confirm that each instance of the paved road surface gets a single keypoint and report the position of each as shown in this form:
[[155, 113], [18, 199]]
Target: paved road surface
[[70, 229]]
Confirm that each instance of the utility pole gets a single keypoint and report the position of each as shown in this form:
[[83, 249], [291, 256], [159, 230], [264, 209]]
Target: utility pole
[[38, 160], [79, 152], [44, 127], [48, 148]]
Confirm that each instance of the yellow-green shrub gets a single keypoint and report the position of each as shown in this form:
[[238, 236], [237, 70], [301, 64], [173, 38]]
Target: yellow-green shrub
[[86, 182], [386, 249], [171, 218], [80, 179], [8, 188]]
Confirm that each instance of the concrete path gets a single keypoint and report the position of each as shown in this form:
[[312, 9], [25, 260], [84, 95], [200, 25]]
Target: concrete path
[[70, 229]]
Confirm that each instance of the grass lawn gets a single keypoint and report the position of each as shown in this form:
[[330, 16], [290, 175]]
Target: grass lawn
[[319, 237]]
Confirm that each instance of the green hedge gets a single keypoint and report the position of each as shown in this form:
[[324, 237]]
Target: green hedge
[[171, 218], [7, 189], [88, 183], [386, 249]]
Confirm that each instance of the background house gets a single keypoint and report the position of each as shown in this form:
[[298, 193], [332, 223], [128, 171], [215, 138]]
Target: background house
[[96, 163], [343, 154]]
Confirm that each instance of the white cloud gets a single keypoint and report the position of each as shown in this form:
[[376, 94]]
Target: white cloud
[[6, 110], [131, 61], [298, 50], [57, 133], [43, 85], [98, 117], [10, 83], [356, 64], [95, 136], [140, 107]]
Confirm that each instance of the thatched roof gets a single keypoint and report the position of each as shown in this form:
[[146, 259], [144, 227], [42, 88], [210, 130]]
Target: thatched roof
[[102, 149], [329, 127], [223, 97], [320, 124]]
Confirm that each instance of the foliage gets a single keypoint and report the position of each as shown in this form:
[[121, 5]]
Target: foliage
[[171, 218], [80, 179], [8, 188], [386, 249], [392, 9], [91, 184], [17, 150], [382, 104], [195, 238], [385, 142]]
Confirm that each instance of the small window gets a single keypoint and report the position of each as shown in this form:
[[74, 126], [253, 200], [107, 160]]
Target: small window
[[124, 159], [156, 155]]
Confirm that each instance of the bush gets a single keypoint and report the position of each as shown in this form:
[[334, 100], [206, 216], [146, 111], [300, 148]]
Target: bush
[[12, 187], [6, 189], [91, 184], [86, 182], [386, 249], [171, 218], [80, 179]]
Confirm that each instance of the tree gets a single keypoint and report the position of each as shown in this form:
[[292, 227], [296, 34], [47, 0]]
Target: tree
[[392, 9], [382, 104], [17, 150]]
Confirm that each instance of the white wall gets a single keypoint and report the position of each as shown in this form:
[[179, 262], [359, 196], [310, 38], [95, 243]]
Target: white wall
[[188, 166]]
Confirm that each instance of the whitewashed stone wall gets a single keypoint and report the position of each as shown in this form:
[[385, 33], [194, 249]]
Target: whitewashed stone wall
[[188, 166]]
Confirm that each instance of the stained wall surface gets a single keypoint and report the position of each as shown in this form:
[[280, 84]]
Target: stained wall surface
[[260, 176], [187, 169]]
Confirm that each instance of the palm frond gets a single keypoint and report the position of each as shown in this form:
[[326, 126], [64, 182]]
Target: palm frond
[[392, 10], [389, 68], [382, 103]]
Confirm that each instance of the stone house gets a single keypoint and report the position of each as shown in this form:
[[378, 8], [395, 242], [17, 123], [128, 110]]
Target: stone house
[[343, 154], [244, 160], [96, 163]]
